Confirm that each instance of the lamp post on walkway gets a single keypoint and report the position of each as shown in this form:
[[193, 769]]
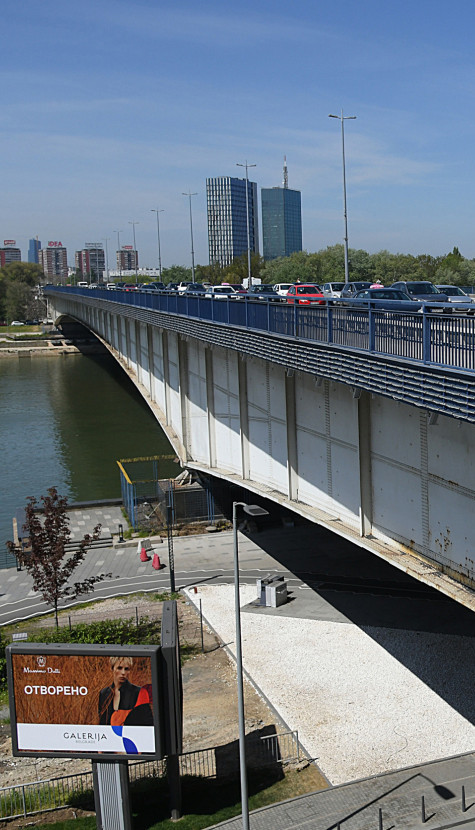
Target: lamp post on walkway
[[191, 231], [119, 258], [251, 510], [157, 211], [135, 251], [344, 118], [249, 277]]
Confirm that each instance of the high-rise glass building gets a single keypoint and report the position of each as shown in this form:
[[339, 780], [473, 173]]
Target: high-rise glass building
[[281, 220], [227, 219], [34, 248]]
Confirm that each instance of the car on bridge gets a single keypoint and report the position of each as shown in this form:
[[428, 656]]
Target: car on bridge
[[333, 289], [305, 294], [422, 290], [194, 288], [455, 294], [264, 291], [351, 288], [221, 292], [389, 299]]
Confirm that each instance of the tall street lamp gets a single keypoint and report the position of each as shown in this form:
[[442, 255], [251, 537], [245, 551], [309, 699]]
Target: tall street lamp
[[249, 277], [191, 230], [106, 240], [119, 262], [157, 211], [251, 510], [135, 250], [344, 118]]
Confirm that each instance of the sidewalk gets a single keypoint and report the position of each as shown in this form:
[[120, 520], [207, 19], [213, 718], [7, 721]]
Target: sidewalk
[[398, 795]]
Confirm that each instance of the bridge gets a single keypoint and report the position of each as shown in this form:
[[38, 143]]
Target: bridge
[[359, 419]]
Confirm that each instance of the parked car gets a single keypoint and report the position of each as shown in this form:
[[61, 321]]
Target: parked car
[[263, 291], [220, 292], [16, 323], [333, 289], [281, 288], [350, 288], [194, 288], [156, 286], [390, 299], [455, 294], [422, 290], [305, 294]]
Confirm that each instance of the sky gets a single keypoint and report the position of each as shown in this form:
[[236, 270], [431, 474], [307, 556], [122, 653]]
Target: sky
[[111, 110]]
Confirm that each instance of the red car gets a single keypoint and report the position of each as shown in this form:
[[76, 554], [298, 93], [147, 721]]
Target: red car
[[307, 294]]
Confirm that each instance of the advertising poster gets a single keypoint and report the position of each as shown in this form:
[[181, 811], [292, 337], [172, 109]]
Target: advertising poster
[[84, 703]]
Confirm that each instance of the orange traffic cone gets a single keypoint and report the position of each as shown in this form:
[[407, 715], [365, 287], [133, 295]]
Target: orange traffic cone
[[144, 557], [156, 562]]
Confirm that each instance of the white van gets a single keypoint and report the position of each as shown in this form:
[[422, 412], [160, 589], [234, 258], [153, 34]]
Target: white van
[[83, 285]]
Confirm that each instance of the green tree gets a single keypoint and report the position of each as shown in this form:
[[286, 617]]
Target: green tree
[[298, 266], [18, 296], [16, 273], [176, 273], [214, 274], [238, 270], [47, 558]]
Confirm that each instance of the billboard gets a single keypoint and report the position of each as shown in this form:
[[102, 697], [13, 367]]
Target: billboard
[[9, 242], [100, 702]]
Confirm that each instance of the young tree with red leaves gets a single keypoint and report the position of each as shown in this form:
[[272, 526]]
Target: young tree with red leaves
[[46, 557]]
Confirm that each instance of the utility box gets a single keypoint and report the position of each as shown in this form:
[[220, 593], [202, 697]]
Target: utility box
[[271, 591]]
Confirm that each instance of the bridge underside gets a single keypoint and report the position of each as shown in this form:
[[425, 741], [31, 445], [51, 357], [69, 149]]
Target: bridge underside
[[391, 477]]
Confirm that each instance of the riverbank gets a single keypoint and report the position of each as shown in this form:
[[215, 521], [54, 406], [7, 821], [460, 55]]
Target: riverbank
[[43, 348]]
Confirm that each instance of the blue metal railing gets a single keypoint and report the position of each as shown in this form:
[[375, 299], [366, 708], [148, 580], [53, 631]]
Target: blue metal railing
[[425, 336]]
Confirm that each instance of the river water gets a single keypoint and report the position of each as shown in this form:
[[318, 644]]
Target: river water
[[65, 421]]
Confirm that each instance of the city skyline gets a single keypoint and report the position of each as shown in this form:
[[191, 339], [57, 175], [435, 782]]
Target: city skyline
[[110, 115]]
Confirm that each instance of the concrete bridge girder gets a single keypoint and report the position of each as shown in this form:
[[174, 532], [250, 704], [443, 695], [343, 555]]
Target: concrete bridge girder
[[376, 471]]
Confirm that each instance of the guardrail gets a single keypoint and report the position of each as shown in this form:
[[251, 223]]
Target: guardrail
[[51, 794], [427, 336]]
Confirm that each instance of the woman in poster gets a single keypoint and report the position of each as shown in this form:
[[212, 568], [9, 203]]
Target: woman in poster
[[122, 702]]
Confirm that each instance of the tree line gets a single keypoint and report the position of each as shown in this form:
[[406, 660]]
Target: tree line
[[19, 279], [327, 265]]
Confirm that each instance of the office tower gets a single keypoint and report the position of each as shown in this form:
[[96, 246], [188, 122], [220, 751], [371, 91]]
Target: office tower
[[54, 262], [227, 219], [34, 250], [9, 253], [91, 262], [281, 220], [127, 258]]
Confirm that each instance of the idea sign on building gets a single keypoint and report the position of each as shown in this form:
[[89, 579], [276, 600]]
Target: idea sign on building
[[55, 244]]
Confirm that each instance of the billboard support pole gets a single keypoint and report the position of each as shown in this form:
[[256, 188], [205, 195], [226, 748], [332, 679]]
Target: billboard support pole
[[111, 795]]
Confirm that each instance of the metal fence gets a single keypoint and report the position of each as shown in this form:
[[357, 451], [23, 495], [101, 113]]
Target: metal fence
[[428, 336], [51, 794], [152, 503]]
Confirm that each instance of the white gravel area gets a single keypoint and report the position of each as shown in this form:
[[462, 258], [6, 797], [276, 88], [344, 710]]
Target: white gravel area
[[364, 701]]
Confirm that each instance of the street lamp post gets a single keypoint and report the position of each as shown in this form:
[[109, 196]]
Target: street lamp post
[[191, 230], [106, 240], [135, 250], [249, 276], [251, 510], [157, 211], [344, 118], [119, 263]]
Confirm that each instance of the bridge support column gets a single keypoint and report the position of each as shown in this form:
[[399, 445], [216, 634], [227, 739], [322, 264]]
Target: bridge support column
[[184, 393], [292, 454], [210, 405], [364, 461], [243, 416]]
